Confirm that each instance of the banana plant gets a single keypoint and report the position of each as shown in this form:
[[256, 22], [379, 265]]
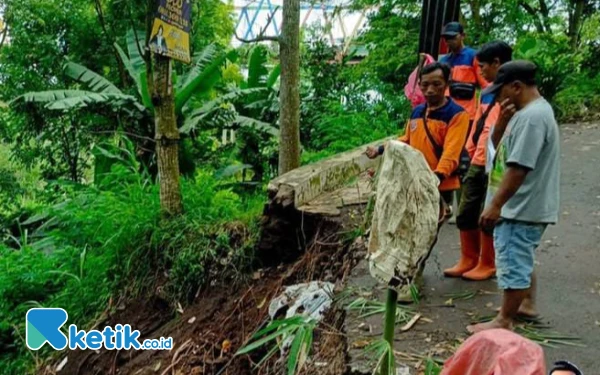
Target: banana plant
[[199, 80], [258, 109], [195, 108]]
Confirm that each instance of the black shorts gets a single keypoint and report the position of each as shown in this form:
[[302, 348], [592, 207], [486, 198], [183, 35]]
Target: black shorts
[[472, 199]]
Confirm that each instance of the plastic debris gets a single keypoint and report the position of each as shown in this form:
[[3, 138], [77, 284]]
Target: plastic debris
[[308, 299]]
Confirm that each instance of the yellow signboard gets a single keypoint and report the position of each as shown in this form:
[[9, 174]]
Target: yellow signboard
[[171, 30]]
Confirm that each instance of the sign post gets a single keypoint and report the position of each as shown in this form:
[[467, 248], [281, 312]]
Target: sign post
[[170, 36]]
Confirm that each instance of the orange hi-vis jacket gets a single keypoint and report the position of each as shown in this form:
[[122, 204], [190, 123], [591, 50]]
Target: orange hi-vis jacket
[[448, 126], [465, 69], [477, 152]]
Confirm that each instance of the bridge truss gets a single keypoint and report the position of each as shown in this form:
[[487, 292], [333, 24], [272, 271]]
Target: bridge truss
[[337, 20]]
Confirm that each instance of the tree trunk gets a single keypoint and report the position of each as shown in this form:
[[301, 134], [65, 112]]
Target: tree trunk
[[545, 12], [289, 96], [534, 14], [167, 137], [575, 19], [477, 21]]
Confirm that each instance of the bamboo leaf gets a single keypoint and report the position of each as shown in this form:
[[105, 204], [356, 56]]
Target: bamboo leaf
[[261, 342], [267, 356], [307, 345], [295, 320], [295, 351]]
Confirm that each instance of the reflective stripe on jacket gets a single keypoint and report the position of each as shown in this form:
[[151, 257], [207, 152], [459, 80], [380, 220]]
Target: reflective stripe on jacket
[[448, 126], [478, 151], [465, 69]]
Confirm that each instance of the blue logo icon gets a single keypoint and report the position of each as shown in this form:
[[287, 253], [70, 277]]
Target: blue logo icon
[[43, 326]]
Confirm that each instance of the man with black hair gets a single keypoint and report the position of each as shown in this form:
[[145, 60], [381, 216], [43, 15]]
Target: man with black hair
[[523, 188], [477, 246], [438, 129], [565, 368], [465, 78]]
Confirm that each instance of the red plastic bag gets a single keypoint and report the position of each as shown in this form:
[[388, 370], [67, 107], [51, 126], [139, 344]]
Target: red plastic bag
[[412, 90], [496, 352]]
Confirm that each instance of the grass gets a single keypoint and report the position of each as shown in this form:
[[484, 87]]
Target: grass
[[103, 244], [296, 333]]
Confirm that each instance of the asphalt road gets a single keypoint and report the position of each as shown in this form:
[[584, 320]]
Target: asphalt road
[[568, 261]]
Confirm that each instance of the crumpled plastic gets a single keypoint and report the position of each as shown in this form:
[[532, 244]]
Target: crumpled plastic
[[412, 90], [312, 299], [496, 352]]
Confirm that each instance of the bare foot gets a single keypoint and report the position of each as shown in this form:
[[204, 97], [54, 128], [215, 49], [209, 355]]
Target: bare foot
[[496, 323], [525, 311]]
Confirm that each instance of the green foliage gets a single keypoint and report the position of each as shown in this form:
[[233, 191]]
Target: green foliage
[[345, 106], [367, 308], [381, 351], [392, 43], [297, 335], [554, 58], [109, 240], [21, 192], [258, 113], [202, 77], [432, 368], [579, 100]]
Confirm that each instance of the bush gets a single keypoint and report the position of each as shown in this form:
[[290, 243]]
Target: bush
[[358, 116], [554, 57], [579, 100], [110, 242]]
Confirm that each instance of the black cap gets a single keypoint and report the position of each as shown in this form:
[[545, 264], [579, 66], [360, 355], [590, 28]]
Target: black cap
[[566, 366], [452, 29], [516, 70]]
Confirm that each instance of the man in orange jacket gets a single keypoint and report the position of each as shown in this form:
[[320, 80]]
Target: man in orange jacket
[[438, 129], [477, 245], [465, 77]]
